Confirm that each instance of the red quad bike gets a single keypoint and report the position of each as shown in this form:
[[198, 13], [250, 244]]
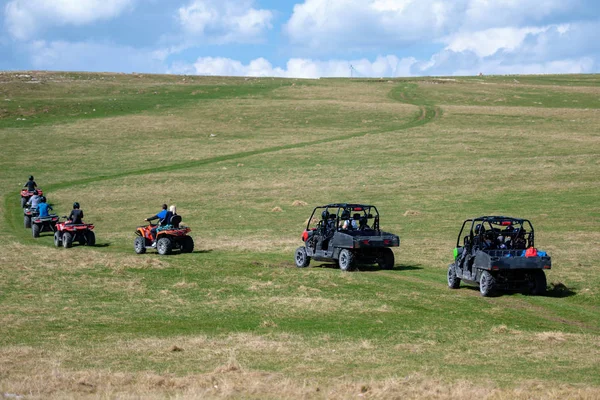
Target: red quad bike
[[167, 238], [26, 194], [66, 233], [43, 224]]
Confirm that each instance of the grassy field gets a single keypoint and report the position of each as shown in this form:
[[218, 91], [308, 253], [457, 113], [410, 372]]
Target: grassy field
[[236, 319]]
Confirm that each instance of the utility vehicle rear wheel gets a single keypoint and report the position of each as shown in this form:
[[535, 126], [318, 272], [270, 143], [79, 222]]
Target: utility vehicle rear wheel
[[164, 246], [57, 237], [67, 240], [486, 284], [139, 245], [27, 221], [346, 260], [538, 280], [453, 280], [301, 258], [35, 230], [387, 260], [90, 238], [187, 244]]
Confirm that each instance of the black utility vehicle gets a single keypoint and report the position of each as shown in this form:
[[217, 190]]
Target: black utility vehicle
[[497, 252], [348, 234]]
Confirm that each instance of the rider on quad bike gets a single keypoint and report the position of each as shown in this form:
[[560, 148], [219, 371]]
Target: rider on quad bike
[[74, 229], [165, 237], [29, 189], [163, 217]]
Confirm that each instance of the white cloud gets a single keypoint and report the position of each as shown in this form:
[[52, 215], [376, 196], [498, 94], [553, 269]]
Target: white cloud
[[224, 21], [90, 56], [298, 67], [328, 25], [487, 42], [25, 18], [551, 49]]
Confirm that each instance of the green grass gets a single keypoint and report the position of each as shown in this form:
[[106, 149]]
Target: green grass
[[428, 152]]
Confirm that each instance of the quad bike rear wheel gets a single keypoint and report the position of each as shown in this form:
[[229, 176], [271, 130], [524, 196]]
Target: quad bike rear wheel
[[35, 230], [139, 245], [67, 240], [23, 202], [57, 239], [187, 244], [27, 221], [90, 238], [164, 246]]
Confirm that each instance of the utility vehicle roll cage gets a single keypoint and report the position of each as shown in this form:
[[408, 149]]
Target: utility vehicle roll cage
[[513, 227], [348, 211]]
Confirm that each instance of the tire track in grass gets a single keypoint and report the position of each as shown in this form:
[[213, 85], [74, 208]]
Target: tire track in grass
[[407, 94], [547, 313]]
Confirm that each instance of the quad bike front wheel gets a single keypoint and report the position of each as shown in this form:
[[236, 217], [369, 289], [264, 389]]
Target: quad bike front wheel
[[139, 245]]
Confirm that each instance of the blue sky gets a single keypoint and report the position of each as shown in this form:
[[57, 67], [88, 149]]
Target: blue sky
[[305, 39]]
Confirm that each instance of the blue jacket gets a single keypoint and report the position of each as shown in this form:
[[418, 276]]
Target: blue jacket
[[163, 217], [43, 209]]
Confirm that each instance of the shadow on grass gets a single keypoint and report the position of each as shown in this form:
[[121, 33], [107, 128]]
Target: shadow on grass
[[372, 267], [556, 290], [559, 290]]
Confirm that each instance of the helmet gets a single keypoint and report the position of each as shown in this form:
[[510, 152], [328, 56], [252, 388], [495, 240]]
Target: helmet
[[325, 214], [345, 214], [43, 199], [30, 177], [76, 205]]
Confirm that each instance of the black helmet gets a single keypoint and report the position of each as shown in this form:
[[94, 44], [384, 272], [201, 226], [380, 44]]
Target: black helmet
[[43, 199], [345, 214], [76, 205], [325, 214], [30, 177]]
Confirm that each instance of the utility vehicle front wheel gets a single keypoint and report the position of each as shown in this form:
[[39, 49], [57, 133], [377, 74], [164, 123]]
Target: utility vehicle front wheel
[[301, 258], [453, 280], [346, 260]]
